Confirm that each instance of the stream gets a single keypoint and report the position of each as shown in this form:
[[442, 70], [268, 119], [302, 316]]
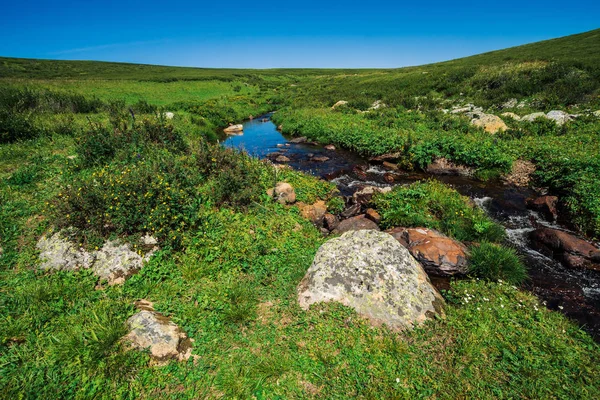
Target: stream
[[573, 292]]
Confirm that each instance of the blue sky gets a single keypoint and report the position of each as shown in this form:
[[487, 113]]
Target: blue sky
[[271, 34]]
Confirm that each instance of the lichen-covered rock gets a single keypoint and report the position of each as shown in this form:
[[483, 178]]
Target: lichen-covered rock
[[490, 123], [115, 262], [283, 192], [558, 116], [165, 340], [372, 273], [360, 222], [338, 104], [511, 115], [533, 116], [59, 254]]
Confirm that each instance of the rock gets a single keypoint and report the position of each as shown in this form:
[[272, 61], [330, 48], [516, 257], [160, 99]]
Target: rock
[[165, 340], [283, 192], [313, 212], [389, 178], [279, 127], [351, 211], [377, 105], [546, 205], [386, 157], [437, 253], [390, 166], [234, 129], [365, 195], [469, 108], [282, 159], [521, 173], [560, 117], [357, 223], [490, 123], [115, 262], [532, 117], [511, 103], [59, 254], [301, 139], [319, 158], [169, 115], [264, 120], [371, 273], [443, 166], [149, 240], [279, 145], [330, 147], [596, 113], [338, 104], [360, 171], [373, 215], [511, 115], [565, 247], [330, 221]]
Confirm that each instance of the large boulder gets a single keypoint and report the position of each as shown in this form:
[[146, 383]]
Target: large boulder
[[372, 273], [283, 192], [490, 123], [570, 250], [157, 333], [437, 253], [357, 223], [60, 254]]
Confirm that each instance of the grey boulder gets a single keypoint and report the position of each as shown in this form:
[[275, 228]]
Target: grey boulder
[[372, 273]]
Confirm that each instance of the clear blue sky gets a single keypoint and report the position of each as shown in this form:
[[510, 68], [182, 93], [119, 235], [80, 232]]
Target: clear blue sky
[[270, 34]]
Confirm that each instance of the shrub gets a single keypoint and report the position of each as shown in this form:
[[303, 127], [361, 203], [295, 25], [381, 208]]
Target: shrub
[[493, 262], [434, 205], [17, 126]]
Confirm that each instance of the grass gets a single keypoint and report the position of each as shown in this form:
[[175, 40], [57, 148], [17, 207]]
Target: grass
[[231, 258]]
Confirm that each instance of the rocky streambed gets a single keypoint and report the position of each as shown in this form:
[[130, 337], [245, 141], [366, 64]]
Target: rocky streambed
[[564, 269]]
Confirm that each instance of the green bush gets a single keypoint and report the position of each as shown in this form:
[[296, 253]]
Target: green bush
[[495, 262], [434, 205], [17, 126]]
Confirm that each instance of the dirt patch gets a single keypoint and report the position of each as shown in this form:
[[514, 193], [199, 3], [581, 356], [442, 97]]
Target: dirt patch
[[520, 174]]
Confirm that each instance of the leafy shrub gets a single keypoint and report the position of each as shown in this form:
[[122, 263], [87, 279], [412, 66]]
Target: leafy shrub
[[17, 126], [493, 262], [431, 204]]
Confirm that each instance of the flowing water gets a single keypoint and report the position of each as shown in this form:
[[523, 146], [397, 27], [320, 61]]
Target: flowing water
[[575, 293]]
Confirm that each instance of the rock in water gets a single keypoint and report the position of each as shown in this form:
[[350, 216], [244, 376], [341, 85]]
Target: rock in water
[[152, 330], [360, 222], [234, 129], [301, 139], [372, 273]]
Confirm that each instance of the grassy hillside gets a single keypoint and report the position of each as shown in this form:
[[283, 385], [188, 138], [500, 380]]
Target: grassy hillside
[[86, 146]]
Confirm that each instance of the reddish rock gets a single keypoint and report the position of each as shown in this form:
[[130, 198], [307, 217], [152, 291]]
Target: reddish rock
[[357, 223], [373, 215], [439, 254], [360, 172], [389, 165], [389, 178], [545, 205], [330, 221], [572, 251], [313, 212]]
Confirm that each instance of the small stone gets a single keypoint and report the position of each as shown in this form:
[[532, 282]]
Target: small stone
[[282, 159], [389, 165], [357, 223], [338, 104], [234, 129], [351, 211], [301, 139], [313, 212], [330, 221], [532, 117], [373, 215], [283, 192], [319, 159], [330, 147]]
